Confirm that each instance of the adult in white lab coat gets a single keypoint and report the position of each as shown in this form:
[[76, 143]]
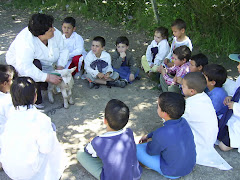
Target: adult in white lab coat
[[41, 45]]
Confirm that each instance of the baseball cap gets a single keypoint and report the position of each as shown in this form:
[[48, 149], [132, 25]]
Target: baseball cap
[[235, 57]]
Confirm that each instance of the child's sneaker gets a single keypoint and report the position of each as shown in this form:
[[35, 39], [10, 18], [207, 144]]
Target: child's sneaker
[[119, 83]]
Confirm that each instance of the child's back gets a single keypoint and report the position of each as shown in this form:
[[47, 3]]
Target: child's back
[[201, 116], [118, 154], [116, 148], [30, 149]]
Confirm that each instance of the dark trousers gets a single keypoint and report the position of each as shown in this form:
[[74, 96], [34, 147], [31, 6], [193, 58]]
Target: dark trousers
[[40, 85]]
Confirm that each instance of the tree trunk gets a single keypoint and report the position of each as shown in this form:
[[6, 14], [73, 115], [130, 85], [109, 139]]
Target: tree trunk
[[156, 15]]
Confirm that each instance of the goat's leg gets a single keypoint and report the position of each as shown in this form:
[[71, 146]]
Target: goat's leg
[[50, 92], [65, 98], [70, 99]]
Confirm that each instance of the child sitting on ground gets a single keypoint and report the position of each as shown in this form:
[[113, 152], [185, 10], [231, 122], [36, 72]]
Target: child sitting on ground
[[229, 124], [123, 61], [156, 51], [180, 39], [113, 154], [7, 73], [29, 146], [170, 149], [202, 118], [181, 57], [197, 63], [75, 45], [216, 76], [98, 66]]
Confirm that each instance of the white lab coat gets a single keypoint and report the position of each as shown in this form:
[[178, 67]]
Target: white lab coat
[[234, 122], [30, 149], [201, 116], [26, 47]]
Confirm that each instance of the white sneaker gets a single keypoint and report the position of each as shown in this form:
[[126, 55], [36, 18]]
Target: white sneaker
[[39, 106]]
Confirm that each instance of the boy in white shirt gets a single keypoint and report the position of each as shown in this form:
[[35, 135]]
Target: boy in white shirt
[[29, 145], [201, 117], [180, 39], [75, 45], [99, 68]]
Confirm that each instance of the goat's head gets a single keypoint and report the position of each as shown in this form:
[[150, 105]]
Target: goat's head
[[66, 74]]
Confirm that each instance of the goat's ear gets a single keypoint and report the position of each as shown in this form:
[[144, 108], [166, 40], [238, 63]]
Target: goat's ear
[[73, 69]]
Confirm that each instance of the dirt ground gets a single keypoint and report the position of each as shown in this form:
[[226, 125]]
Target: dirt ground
[[85, 119]]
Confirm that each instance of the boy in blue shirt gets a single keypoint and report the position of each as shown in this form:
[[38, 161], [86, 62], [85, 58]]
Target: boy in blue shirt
[[112, 155], [216, 76], [170, 149]]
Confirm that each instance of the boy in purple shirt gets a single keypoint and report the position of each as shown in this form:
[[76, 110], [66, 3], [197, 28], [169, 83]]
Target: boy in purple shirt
[[112, 155]]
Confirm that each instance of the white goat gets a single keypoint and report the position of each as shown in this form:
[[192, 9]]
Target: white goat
[[65, 87]]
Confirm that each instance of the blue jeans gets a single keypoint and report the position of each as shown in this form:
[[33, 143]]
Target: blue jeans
[[153, 162]]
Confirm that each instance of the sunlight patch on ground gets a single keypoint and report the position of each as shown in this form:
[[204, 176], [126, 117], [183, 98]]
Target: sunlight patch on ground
[[3, 52]]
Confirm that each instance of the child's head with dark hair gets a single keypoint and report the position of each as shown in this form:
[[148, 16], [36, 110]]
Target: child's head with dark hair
[[171, 103], [7, 74], [198, 62], [116, 114], [39, 24], [122, 43], [101, 40], [68, 26], [23, 92], [163, 31], [179, 28], [193, 83], [98, 45], [181, 55], [70, 20], [122, 40], [215, 74], [180, 24]]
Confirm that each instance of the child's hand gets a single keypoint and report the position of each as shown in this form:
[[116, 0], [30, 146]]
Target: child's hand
[[143, 139], [107, 75], [227, 100], [90, 139], [131, 77], [151, 65], [230, 105], [166, 61], [122, 54], [179, 80], [162, 70], [100, 75]]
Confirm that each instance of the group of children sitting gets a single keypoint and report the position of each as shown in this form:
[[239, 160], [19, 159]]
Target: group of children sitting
[[191, 126], [100, 68]]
